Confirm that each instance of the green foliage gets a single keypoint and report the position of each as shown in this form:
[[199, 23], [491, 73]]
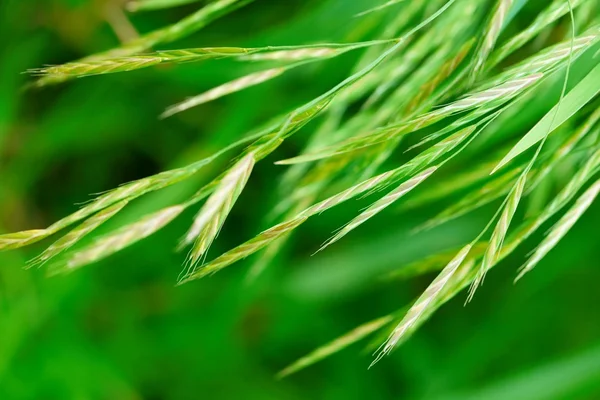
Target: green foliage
[[448, 117]]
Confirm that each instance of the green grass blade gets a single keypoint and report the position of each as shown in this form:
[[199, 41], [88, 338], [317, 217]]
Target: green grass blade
[[577, 97]]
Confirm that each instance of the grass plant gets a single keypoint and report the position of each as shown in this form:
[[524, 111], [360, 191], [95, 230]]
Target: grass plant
[[431, 95]]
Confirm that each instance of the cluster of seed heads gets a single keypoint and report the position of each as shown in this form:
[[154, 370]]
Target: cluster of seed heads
[[442, 82]]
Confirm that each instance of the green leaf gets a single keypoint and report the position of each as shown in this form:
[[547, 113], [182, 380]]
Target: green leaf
[[578, 97]]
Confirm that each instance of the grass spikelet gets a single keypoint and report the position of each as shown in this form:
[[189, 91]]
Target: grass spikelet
[[90, 67], [496, 241], [83, 68], [418, 309], [502, 92], [381, 204], [336, 345], [184, 27], [211, 217], [246, 249], [298, 54], [78, 233], [120, 239], [561, 228], [223, 90], [490, 35]]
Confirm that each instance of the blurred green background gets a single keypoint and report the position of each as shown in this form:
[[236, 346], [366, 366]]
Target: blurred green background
[[120, 329]]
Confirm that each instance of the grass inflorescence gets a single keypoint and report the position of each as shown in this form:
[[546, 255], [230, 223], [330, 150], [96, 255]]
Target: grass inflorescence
[[440, 76]]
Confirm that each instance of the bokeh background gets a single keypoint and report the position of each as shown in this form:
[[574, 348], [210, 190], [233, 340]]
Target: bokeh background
[[120, 329]]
